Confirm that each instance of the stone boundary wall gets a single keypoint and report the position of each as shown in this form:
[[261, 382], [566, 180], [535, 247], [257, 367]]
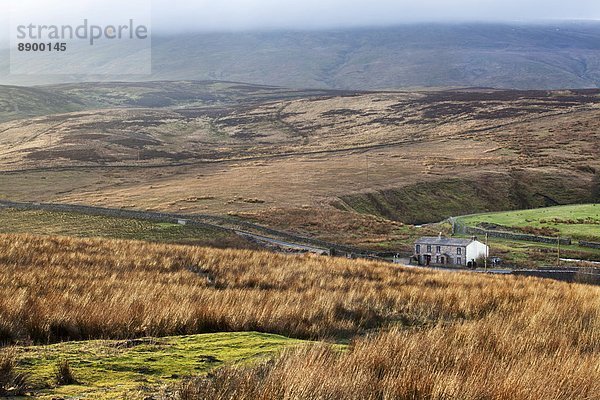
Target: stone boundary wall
[[592, 245], [565, 276]]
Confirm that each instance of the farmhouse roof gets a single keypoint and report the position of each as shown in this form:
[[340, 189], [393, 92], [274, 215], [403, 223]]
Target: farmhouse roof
[[444, 241]]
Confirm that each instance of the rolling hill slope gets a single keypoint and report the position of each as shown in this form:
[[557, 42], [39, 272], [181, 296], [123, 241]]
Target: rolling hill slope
[[409, 156], [22, 102], [18, 102]]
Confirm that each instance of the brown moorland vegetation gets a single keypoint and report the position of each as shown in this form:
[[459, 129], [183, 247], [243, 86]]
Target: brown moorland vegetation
[[391, 154], [347, 227], [425, 334]]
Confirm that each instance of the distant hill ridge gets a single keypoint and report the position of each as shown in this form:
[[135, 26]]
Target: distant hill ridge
[[539, 56]]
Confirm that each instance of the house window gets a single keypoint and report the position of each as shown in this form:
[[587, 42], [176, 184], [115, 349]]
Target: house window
[[429, 248], [418, 248], [459, 251], [439, 249], [459, 260]]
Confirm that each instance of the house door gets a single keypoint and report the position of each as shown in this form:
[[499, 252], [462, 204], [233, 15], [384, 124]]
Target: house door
[[427, 259]]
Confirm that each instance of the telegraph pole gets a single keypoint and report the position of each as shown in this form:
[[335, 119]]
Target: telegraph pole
[[558, 252], [487, 252]]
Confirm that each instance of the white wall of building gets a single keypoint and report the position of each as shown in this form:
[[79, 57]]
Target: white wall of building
[[476, 250]]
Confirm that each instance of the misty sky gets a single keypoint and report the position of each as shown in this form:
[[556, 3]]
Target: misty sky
[[208, 15], [244, 14]]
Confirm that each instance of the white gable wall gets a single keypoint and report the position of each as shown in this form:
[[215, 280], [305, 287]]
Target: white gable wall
[[476, 250]]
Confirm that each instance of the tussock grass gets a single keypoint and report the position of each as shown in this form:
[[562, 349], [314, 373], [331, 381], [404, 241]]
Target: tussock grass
[[489, 359], [12, 383], [57, 289], [424, 335], [64, 374], [540, 343], [62, 289]]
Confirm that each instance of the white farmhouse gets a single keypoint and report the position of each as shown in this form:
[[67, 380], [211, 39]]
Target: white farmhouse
[[441, 250]]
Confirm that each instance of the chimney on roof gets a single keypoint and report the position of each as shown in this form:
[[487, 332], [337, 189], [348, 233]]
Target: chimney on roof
[[440, 235], [473, 238]]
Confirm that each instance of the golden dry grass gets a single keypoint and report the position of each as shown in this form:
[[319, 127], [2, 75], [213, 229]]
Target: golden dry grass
[[429, 335], [63, 288], [530, 340], [495, 358]]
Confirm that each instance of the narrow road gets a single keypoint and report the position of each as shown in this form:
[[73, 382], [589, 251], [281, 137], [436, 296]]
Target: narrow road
[[283, 244]]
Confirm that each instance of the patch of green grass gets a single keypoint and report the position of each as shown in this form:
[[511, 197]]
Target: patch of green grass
[[576, 221], [81, 225], [132, 369]]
